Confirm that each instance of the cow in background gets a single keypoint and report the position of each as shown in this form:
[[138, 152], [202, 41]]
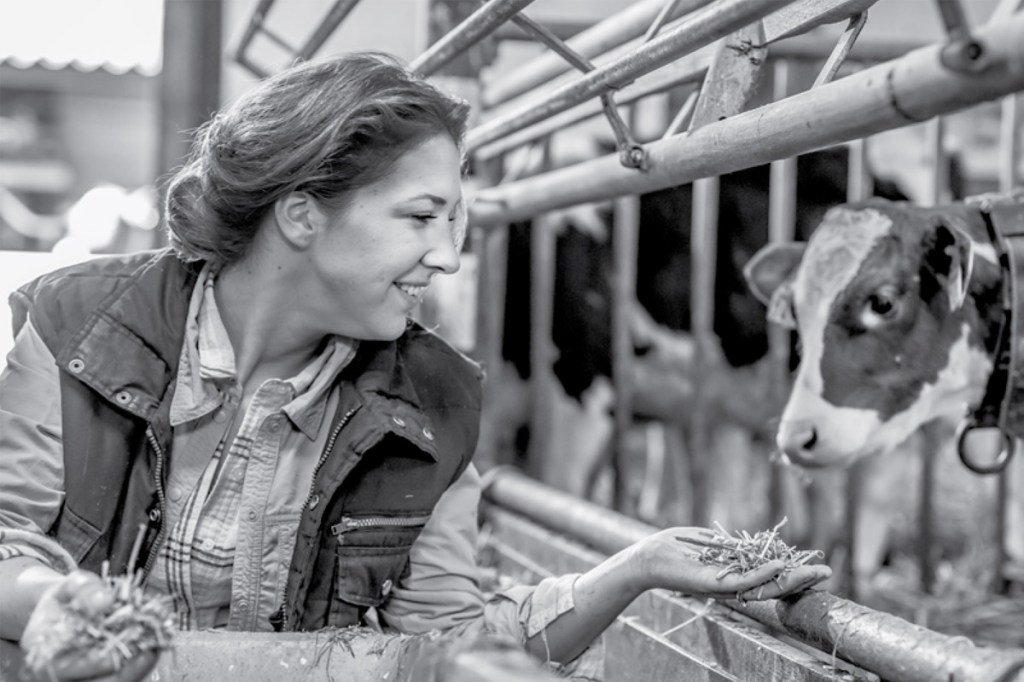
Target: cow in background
[[897, 308], [582, 320]]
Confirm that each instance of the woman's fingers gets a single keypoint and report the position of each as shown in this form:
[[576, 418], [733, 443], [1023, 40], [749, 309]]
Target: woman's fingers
[[97, 666], [791, 582]]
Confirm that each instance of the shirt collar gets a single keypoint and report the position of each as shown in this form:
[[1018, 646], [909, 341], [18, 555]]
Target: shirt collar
[[208, 362]]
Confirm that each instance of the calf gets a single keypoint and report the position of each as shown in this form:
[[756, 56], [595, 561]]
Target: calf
[[898, 309]]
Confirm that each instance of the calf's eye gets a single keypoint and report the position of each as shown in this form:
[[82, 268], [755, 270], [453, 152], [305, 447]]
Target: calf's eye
[[881, 305]]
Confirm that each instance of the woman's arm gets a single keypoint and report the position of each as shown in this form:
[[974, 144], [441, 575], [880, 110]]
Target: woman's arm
[[661, 560], [31, 479]]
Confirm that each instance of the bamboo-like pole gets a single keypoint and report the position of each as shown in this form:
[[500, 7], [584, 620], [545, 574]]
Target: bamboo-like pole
[[694, 31], [598, 39], [879, 642], [910, 89], [477, 26]]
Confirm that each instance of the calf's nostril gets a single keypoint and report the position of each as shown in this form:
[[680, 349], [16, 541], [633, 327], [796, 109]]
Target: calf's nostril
[[811, 441]]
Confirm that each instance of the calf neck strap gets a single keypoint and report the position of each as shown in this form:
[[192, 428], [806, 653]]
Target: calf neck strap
[[1002, 406]]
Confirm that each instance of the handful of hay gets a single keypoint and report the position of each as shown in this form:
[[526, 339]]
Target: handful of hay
[[742, 552], [130, 625]]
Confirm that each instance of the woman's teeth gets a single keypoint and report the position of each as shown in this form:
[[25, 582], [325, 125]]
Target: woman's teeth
[[416, 291]]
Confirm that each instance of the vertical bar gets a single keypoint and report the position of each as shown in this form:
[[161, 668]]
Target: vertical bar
[[1009, 151], [190, 79], [491, 248], [625, 235], [781, 228], [703, 256], [543, 242], [859, 186], [937, 192]]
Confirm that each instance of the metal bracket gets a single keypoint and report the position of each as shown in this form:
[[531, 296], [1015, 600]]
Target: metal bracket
[[842, 49], [631, 153]]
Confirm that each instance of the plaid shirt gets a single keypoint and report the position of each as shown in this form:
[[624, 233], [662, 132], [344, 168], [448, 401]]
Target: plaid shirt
[[234, 496]]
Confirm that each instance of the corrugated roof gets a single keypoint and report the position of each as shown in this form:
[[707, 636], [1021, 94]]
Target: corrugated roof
[[117, 36]]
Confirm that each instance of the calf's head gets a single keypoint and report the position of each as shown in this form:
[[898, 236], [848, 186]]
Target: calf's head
[[897, 308]]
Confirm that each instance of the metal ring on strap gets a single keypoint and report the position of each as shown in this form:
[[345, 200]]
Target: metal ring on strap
[[1002, 459]]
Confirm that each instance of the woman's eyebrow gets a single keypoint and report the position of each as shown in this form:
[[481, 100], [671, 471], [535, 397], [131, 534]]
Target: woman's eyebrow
[[436, 200]]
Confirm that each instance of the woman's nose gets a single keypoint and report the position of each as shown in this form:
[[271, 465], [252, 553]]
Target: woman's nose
[[442, 254]]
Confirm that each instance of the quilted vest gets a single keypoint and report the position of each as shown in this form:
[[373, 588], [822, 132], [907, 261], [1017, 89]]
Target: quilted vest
[[405, 429]]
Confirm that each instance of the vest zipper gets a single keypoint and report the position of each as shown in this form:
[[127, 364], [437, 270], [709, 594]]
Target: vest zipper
[[328, 448], [350, 523], [158, 513]]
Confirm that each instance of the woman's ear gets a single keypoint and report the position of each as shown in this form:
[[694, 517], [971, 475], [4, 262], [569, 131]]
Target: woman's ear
[[299, 218]]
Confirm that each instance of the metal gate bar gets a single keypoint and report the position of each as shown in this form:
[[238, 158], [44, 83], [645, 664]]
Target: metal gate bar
[[913, 88], [879, 642]]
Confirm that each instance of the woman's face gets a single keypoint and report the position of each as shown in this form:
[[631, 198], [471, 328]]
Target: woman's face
[[379, 253]]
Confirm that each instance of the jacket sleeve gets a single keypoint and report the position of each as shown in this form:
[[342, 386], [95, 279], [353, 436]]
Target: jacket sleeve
[[31, 452], [443, 588]]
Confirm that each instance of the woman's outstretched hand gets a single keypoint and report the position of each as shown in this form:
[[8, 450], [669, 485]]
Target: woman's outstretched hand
[[87, 593], [667, 560]]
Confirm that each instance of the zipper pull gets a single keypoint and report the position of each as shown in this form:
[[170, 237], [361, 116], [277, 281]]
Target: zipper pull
[[339, 529]]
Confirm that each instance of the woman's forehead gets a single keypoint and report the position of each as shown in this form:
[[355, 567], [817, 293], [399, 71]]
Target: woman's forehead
[[429, 172]]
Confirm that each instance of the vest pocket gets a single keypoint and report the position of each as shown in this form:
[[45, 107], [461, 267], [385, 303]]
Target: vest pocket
[[75, 534], [372, 554]]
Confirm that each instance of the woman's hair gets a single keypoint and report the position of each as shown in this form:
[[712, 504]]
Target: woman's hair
[[326, 128]]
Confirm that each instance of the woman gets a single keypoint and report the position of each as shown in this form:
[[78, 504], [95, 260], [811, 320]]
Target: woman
[[256, 399]]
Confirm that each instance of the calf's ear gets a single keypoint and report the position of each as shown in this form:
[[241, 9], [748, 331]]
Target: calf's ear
[[769, 275], [950, 256]]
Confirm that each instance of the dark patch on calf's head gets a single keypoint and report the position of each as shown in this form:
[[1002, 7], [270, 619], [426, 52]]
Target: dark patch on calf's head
[[885, 367]]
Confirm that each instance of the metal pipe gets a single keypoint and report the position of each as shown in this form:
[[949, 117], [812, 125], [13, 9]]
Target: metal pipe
[[669, 10], [326, 27], [251, 29], [879, 642], [1009, 153], [781, 229], [625, 238], [695, 31], [609, 33], [913, 88], [813, 46], [476, 26], [689, 69]]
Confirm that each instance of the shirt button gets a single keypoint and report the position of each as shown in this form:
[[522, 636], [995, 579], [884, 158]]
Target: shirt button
[[207, 544], [76, 365], [398, 420], [274, 425], [176, 493], [385, 588], [123, 397], [428, 434], [252, 515]]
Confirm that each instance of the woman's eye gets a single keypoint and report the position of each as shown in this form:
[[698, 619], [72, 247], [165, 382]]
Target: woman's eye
[[424, 217]]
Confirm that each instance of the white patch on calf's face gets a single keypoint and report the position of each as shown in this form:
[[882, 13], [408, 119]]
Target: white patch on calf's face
[[844, 434], [834, 255]]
